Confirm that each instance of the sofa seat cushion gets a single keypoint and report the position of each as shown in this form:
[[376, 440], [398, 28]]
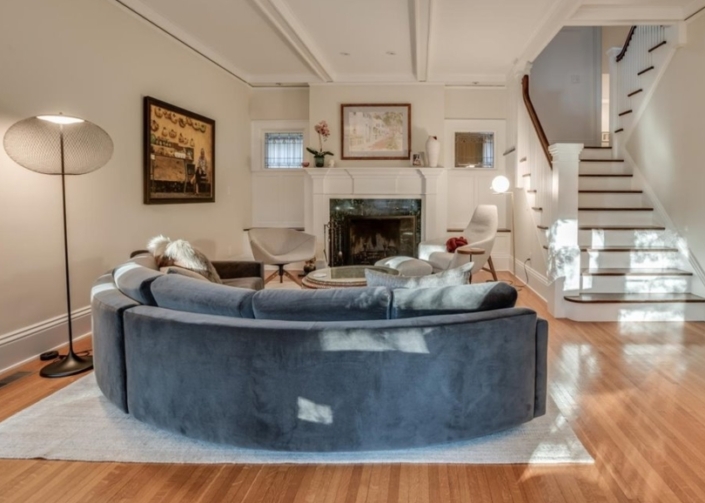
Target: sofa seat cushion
[[180, 293], [133, 278], [337, 304], [410, 303], [253, 283]]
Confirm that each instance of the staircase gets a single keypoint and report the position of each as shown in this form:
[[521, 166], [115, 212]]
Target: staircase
[[631, 266]]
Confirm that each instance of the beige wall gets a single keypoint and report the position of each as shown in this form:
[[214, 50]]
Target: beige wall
[[667, 144], [279, 104], [94, 60], [476, 103], [427, 110]]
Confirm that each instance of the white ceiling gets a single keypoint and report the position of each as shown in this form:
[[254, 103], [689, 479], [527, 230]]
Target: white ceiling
[[469, 42]]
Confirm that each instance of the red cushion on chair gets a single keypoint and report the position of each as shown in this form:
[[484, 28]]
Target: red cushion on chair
[[454, 243]]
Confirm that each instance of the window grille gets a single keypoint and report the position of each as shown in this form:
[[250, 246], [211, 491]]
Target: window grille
[[283, 150]]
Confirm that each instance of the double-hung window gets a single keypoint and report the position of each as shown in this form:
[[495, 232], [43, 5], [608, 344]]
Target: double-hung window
[[283, 149], [279, 144]]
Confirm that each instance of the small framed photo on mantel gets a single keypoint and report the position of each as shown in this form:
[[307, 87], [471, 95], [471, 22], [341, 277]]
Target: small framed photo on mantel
[[375, 131], [179, 155]]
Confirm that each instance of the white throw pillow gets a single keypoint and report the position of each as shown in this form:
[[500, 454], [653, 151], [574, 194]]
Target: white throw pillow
[[451, 277]]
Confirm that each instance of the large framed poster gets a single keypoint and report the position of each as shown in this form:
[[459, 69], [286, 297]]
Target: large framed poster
[[375, 131], [179, 155]]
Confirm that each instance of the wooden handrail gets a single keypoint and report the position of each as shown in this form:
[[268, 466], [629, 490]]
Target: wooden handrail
[[623, 52], [535, 119]]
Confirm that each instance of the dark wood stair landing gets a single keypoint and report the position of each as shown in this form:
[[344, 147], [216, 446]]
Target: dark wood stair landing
[[634, 298]]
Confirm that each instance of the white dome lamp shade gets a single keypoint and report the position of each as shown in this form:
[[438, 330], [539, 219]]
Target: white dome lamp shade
[[60, 145], [500, 184]]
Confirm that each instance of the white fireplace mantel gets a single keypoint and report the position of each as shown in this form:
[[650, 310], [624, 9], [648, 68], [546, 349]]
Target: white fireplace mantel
[[324, 184]]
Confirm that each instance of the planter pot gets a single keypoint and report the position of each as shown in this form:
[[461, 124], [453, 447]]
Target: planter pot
[[320, 160], [433, 151]]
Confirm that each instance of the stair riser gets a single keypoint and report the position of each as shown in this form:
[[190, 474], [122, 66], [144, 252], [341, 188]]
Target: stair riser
[[621, 238], [676, 311], [610, 200], [625, 260], [605, 183], [626, 121], [613, 168], [636, 284], [596, 153], [616, 217]]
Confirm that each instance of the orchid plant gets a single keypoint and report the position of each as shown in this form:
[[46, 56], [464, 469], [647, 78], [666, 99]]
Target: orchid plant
[[323, 133]]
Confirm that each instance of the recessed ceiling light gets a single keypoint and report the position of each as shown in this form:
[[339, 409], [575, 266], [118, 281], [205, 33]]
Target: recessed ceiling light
[[391, 53], [345, 54]]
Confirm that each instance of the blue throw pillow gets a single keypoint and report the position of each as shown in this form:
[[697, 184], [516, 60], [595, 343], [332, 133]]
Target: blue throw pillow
[[451, 277]]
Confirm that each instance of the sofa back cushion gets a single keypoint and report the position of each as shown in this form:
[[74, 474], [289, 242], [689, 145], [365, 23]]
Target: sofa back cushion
[[181, 293], [338, 304], [409, 303], [134, 277]]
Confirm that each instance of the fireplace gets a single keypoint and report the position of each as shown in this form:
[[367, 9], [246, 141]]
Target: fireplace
[[363, 231]]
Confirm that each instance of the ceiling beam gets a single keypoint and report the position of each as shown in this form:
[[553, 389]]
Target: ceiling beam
[[285, 22], [421, 24], [625, 15], [552, 22]]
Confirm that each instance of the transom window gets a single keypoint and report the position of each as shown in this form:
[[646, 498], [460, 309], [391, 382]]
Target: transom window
[[283, 150], [474, 150]]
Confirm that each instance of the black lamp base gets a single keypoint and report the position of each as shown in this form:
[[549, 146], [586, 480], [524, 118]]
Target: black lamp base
[[72, 364]]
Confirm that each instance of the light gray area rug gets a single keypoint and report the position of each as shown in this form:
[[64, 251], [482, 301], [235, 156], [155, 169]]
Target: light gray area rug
[[77, 423]]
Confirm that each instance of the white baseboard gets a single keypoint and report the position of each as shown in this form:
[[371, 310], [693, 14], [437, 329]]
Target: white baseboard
[[538, 283], [23, 345]]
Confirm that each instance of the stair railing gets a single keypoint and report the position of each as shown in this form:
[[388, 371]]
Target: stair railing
[[629, 77]]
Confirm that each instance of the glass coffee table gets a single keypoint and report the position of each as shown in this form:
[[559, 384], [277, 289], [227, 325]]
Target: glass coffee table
[[342, 277]]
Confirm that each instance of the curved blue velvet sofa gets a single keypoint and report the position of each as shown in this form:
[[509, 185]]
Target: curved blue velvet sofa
[[327, 370]]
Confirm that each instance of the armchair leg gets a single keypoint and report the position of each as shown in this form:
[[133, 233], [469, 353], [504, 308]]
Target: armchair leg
[[491, 269], [271, 277], [292, 277]]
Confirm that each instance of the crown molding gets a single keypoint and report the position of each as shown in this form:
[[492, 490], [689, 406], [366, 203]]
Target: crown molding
[[147, 14]]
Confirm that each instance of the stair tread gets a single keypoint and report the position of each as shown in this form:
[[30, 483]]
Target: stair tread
[[628, 248], [532, 191], [619, 130], [642, 298], [537, 208], [645, 70], [626, 112], [666, 271], [601, 160], [660, 44], [615, 208], [622, 227], [633, 93], [597, 148], [638, 249], [619, 175], [610, 191]]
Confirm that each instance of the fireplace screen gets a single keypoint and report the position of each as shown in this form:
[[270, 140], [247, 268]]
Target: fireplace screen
[[363, 231]]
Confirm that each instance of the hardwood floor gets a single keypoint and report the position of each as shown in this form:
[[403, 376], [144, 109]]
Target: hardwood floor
[[634, 393]]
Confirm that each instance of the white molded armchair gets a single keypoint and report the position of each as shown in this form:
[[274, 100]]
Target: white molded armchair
[[280, 247], [480, 233]]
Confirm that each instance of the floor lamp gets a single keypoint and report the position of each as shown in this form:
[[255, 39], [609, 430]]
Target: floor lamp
[[60, 145], [500, 185]]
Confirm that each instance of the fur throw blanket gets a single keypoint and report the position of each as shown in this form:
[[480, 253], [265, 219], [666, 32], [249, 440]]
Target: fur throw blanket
[[180, 253]]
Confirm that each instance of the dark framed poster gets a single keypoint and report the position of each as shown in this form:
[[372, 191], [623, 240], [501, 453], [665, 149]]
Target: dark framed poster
[[179, 155]]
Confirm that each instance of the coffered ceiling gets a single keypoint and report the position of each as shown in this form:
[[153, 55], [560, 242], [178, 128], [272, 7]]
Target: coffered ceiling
[[465, 42]]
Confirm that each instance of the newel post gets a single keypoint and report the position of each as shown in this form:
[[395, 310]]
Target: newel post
[[563, 263], [615, 99]]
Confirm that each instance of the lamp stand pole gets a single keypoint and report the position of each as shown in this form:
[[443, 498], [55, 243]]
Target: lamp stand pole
[[71, 364], [514, 260]]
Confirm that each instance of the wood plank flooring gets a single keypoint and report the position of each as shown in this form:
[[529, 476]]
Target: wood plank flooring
[[634, 394]]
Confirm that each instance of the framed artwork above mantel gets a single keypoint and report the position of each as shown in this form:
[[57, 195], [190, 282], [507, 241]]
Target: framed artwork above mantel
[[179, 155], [375, 131]]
